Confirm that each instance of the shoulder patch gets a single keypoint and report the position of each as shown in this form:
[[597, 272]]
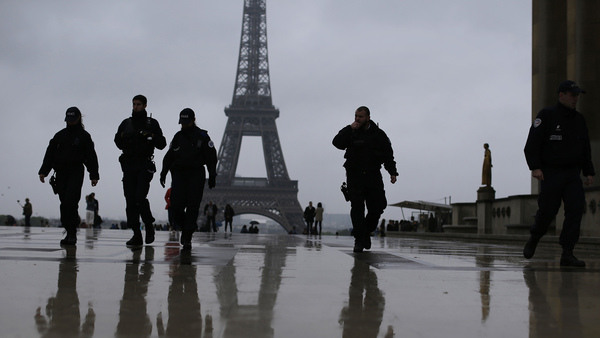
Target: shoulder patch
[[537, 122], [211, 144]]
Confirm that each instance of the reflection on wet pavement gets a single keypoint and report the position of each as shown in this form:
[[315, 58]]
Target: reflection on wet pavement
[[248, 285]]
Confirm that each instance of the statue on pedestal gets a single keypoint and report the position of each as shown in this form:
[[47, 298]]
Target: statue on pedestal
[[486, 173]]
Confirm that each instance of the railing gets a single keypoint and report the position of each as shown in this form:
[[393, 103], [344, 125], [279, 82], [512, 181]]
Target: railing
[[256, 182]]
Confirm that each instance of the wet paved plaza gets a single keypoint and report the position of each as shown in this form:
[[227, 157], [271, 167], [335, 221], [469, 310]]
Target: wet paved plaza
[[247, 285]]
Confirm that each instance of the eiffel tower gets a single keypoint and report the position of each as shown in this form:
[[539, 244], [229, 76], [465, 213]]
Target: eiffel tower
[[252, 113]]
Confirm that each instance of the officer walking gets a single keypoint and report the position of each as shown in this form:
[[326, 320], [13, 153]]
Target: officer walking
[[137, 137], [69, 150], [558, 151], [367, 148], [190, 150]]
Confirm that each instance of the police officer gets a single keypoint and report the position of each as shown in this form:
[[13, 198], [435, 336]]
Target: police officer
[[367, 148], [191, 149], [69, 150], [558, 151], [137, 137]]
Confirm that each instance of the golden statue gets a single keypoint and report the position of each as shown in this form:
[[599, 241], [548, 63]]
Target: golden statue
[[486, 174]]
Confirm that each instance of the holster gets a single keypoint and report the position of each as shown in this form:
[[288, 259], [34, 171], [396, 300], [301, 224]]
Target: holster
[[53, 184], [344, 189]]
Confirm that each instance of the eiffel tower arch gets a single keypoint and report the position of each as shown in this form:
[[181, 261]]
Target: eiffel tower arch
[[252, 113]]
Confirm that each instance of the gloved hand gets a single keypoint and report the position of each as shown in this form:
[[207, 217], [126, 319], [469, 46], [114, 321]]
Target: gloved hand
[[162, 181], [211, 182]]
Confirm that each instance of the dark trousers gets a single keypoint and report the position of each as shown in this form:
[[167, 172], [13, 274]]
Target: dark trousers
[[68, 183], [136, 184], [560, 185], [365, 189], [211, 223], [186, 194], [230, 222], [309, 226], [319, 226]]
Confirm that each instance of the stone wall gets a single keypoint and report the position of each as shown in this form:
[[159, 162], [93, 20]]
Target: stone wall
[[514, 215]]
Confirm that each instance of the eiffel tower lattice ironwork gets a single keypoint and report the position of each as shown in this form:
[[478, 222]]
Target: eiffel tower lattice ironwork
[[252, 113]]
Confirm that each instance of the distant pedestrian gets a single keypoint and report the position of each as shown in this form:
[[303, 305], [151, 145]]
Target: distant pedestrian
[[319, 217], [210, 211], [558, 152], [228, 214], [309, 217], [69, 150], [27, 212], [169, 213], [91, 209]]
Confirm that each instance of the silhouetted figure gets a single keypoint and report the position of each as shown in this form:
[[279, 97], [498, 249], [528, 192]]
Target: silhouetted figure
[[69, 150], [558, 152], [210, 211], [138, 136], [366, 147], [190, 151], [228, 214], [309, 217], [27, 212], [319, 217]]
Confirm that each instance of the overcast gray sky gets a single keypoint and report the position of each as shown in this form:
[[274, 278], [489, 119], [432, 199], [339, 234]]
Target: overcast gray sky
[[440, 77]]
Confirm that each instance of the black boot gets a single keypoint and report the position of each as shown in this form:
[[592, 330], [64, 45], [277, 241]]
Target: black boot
[[367, 241], [149, 234], [358, 245], [71, 238], [568, 259], [186, 240], [136, 239], [529, 249]]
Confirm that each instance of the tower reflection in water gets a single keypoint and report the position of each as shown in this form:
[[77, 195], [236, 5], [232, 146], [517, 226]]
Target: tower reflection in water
[[133, 313], [62, 317], [243, 320]]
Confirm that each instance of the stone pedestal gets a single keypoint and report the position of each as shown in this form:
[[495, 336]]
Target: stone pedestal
[[485, 196], [486, 193]]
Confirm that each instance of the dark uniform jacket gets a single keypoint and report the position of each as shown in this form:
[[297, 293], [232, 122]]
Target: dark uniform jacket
[[69, 149], [366, 149], [559, 138], [190, 149], [137, 137]]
